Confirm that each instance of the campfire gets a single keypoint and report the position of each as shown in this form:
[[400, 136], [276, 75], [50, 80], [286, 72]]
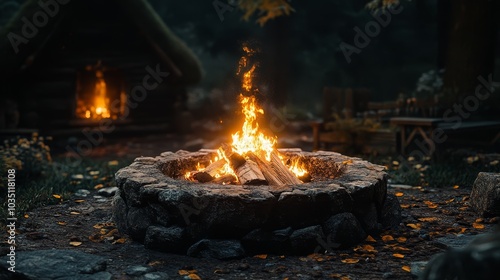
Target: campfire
[[252, 157], [192, 202]]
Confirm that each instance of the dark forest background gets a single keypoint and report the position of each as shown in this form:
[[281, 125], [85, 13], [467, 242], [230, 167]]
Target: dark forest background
[[300, 53]]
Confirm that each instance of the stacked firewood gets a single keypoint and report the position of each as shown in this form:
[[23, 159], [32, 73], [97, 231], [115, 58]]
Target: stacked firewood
[[250, 169]]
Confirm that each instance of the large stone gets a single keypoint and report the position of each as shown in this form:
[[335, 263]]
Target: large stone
[[480, 259], [485, 195], [120, 211], [217, 249], [344, 229], [306, 240], [368, 216], [185, 212], [264, 241], [391, 212], [138, 221], [60, 264], [169, 239]]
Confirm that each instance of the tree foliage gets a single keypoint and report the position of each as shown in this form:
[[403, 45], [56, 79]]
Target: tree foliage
[[264, 10]]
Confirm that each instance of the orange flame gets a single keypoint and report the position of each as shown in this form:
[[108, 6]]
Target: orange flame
[[100, 105], [249, 138]]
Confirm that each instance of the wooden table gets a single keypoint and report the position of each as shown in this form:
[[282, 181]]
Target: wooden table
[[411, 127]]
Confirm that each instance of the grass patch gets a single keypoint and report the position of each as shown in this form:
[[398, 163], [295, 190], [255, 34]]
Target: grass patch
[[60, 180], [453, 170]]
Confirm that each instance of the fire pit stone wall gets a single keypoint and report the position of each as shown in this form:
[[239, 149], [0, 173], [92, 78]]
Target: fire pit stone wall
[[345, 201]]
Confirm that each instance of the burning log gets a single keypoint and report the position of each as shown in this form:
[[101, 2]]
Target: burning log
[[225, 179], [250, 174], [275, 172], [208, 174], [248, 171]]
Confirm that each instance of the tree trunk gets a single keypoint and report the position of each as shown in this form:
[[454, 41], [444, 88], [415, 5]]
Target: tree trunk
[[469, 51]]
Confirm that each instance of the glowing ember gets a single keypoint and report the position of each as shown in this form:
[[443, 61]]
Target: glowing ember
[[250, 140]]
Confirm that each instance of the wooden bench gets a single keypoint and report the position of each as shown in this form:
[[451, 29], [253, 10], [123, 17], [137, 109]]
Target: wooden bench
[[410, 128]]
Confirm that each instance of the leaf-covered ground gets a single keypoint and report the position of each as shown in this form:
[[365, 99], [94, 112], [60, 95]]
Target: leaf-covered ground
[[83, 223], [434, 205]]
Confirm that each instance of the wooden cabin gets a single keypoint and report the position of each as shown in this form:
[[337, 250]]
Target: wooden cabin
[[54, 59]]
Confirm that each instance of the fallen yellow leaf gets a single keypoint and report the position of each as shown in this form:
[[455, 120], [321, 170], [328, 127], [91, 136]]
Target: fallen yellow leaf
[[194, 276], [387, 238], [401, 239], [61, 223], [456, 187], [26, 216], [111, 232], [75, 243], [406, 268], [56, 196], [350, 261], [399, 248], [369, 248], [369, 238], [79, 200], [187, 272], [405, 206], [98, 186], [262, 257], [113, 163], [399, 256], [428, 219], [413, 226], [399, 194], [478, 226]]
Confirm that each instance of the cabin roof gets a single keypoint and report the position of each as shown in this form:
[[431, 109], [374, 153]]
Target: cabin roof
[[16, 57]]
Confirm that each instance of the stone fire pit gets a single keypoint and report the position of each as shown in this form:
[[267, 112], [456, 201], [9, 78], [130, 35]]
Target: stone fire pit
[[345, 200]]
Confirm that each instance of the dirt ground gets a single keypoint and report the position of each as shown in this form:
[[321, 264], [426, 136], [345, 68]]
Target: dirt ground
[[84, 224]]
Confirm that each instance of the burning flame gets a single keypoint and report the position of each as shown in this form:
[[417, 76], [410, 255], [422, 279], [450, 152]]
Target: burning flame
[[250, 138], [99, 108]]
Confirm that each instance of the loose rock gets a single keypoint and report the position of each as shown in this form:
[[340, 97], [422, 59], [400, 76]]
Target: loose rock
[[344, 229], [485, 195], [217, 249]]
